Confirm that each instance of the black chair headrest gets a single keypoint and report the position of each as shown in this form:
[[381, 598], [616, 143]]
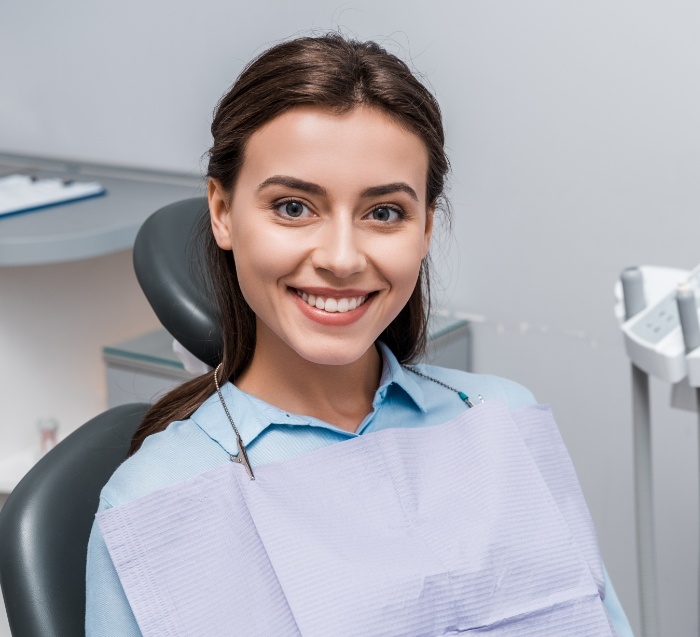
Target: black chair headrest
[[169, 269]]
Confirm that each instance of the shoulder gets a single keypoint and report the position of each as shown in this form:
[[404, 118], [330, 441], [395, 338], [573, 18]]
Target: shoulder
[[177, 453], [488, 386]]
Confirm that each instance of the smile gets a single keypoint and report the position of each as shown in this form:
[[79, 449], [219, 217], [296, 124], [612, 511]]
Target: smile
[[332, 304]]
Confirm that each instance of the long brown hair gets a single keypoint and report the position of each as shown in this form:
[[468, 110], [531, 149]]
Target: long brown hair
[[333, 72]]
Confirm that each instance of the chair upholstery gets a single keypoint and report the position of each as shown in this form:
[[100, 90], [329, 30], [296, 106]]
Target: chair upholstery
[[166, 261], [45, 525]]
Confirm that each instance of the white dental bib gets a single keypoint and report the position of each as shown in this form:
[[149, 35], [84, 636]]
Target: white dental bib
[[477, 525]]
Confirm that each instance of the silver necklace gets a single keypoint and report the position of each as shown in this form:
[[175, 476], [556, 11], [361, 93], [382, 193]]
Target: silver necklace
[[242, 457]]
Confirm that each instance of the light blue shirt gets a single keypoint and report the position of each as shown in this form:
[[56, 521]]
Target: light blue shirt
[[205, 440]]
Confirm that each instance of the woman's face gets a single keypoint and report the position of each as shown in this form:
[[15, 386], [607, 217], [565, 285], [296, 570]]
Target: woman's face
[[328, 222]]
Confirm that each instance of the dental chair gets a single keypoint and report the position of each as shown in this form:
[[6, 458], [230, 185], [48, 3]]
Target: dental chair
[[45, 523]]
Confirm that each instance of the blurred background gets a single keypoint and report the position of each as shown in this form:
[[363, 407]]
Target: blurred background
[[574, 136]]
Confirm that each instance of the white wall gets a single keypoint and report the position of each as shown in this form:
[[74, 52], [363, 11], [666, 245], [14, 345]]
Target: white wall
[[575, 145]]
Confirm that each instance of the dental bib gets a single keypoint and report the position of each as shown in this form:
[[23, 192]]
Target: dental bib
[[474, 526]]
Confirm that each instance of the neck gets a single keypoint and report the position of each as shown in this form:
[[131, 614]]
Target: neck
[[340, 395]]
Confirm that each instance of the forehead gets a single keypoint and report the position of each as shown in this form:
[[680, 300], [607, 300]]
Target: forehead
[[342, 152]]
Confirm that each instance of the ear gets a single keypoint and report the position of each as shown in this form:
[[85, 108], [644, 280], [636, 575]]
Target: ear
[[219, 213], [429, 216]]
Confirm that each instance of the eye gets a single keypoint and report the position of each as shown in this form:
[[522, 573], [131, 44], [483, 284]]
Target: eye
[[293, 208], [385, 213]]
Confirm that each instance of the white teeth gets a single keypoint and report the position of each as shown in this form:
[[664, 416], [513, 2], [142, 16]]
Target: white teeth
[[332, 305]]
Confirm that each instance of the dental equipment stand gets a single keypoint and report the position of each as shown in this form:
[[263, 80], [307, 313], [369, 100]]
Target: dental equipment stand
[[662, 338]]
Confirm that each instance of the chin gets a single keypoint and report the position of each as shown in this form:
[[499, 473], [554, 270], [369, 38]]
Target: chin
[[337, 353]]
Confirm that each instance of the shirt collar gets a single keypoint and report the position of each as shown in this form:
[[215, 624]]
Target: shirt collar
[[394, 374], [253, 415]]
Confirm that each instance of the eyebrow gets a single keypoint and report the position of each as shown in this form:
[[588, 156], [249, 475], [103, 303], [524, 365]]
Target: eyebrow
[[293, 182], [315, 189], [388, 189]]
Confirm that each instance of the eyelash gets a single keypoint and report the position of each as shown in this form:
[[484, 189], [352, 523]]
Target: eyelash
[[278, 204]]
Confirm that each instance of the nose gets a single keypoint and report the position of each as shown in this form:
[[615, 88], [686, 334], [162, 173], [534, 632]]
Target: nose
[[339, 248]]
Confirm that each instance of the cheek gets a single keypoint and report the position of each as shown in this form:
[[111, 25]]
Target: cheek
[[407, 277], [262, 258], [403, 275], [401, 261]]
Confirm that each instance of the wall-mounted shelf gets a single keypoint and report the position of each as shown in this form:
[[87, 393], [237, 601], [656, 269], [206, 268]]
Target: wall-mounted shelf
[[92, 227]]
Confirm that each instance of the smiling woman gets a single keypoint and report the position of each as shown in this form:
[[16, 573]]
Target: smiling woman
[[326, 207], [375, 498]]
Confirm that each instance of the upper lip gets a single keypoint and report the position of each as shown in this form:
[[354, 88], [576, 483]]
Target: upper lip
[[333, 293]]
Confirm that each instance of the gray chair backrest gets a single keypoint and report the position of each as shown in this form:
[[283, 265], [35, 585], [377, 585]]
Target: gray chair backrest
[[167, 263], [45, 525]]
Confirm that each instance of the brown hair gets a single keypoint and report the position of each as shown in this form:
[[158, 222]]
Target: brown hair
[[333, 72]]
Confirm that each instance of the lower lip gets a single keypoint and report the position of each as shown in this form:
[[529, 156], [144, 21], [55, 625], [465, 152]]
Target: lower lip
[[333, 319]]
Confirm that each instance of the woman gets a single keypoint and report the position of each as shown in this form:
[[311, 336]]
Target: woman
[[235, 514]]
